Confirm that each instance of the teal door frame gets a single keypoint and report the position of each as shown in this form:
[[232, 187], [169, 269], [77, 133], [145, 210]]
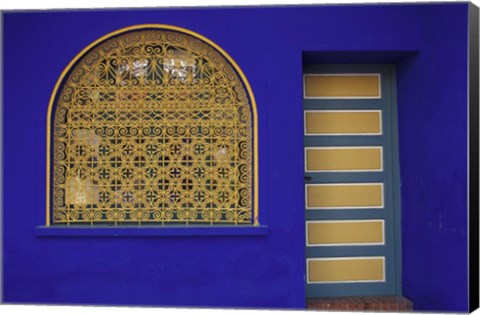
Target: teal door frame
[[390, 176]]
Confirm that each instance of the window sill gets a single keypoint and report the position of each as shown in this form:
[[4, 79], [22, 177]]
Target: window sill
[[151, 231]]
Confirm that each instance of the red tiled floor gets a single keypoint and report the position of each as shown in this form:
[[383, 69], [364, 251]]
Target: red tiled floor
[[367, 303]]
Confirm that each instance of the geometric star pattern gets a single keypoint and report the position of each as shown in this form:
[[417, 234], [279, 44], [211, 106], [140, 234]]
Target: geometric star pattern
[[152, 127]]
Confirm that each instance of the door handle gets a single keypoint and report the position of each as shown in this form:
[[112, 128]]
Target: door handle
[[307, 178]]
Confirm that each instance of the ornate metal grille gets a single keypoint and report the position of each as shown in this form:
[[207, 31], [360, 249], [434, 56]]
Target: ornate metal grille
[[152, 126]]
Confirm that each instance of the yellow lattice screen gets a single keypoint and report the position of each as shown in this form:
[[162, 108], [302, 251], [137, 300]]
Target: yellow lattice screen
[[152, 126]]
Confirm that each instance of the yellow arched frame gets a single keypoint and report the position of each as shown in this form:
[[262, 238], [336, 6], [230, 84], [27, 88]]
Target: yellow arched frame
[[172, 28]]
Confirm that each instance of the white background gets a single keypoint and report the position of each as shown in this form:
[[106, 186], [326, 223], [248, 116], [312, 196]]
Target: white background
[[55, 4]]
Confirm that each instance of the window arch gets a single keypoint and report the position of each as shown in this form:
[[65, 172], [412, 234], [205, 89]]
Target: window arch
[[152, 124]]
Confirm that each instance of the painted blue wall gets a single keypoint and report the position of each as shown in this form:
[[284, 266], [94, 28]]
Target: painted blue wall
[[427, 42], [433, 160]]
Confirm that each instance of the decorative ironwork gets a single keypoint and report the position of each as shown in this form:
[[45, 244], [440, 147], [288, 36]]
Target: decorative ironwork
[[152, 126]]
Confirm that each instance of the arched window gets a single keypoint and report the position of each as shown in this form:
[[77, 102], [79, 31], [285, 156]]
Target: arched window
[[153, 124]]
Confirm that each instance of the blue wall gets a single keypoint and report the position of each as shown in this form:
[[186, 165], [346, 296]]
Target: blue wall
[[427, 42]]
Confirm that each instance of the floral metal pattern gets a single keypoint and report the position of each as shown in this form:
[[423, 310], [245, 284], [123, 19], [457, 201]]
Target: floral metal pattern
[[152, 126]]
